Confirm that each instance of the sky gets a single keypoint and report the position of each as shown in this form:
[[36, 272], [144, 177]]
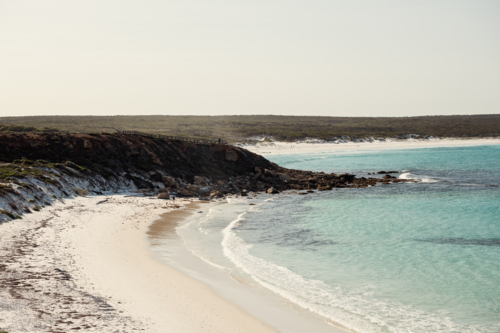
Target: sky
[[218, 57]]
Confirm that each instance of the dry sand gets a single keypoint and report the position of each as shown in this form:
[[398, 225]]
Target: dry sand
[[275, 148], [82, 266]]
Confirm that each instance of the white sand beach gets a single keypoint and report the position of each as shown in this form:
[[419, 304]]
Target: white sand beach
[[79, 265], [279, 147]]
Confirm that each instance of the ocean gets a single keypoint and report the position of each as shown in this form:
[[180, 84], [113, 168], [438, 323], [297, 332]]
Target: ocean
[[407, 257]]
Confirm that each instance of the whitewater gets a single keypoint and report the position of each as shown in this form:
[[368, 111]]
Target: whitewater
[[407, 257]]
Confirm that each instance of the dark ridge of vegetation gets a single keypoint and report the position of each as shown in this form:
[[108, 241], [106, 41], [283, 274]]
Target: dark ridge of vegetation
[[236, 128], [20, 128]]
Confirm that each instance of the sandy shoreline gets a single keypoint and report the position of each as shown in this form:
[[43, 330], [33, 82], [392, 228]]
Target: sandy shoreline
[[82, 266], [276, 148]]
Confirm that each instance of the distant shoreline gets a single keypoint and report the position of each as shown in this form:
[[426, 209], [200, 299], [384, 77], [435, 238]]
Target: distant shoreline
[[301, 147]]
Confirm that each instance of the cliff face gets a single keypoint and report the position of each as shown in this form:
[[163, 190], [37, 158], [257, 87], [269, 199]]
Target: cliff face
[[37, 169], [145, 160]]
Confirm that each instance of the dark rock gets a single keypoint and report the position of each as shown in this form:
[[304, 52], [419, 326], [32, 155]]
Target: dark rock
[[258, 173], [216, 194], [187, 193], [156, 177], [260, 185], [284, 177], [169, 181], [271, 173]]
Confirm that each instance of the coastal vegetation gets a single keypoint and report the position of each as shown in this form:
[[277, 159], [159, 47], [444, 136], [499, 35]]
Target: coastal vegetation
[[287, 128], [20, 128]]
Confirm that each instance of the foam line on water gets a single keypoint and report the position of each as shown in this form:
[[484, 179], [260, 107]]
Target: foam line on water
[[408, 175], [351, 310]]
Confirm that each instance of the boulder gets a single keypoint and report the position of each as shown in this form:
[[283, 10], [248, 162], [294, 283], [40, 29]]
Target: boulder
[[270, 172], [388, 177], [260, 185], [87, 144], [216, 194], [205, 190], [163, 195], [199, 180], [186, 193], [156, 177], [284, 177], [258, 173], [272, 190], [169, 181], [324, 187], [244, 193], [346, 177], [193, 188]]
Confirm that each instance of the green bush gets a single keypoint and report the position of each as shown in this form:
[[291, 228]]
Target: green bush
[[9, 214], [80, 191]]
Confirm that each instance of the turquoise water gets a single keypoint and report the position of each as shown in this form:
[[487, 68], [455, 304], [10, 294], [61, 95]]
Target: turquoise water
[[415, 257]]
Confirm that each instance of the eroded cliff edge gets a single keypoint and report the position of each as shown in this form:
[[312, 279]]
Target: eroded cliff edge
[[36, 169]]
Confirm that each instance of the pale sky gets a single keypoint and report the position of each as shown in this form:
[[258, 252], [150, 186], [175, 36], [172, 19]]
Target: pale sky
[[215, 57]]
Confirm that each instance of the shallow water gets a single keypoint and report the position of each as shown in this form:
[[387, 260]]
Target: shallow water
[[416, 257]]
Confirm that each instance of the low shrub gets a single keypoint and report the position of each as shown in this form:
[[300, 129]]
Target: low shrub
[[80, 191], [9, 214]]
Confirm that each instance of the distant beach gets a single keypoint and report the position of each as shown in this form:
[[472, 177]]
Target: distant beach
[[314, 146]]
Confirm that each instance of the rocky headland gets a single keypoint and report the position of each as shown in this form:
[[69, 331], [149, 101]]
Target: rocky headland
[[43, 274], [37, 169]]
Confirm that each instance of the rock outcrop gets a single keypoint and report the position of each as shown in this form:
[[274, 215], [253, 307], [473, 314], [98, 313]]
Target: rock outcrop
[[36, 169]]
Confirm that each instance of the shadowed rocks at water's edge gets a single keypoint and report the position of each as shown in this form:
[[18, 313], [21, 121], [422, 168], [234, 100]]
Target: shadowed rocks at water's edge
[[36, 169]]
